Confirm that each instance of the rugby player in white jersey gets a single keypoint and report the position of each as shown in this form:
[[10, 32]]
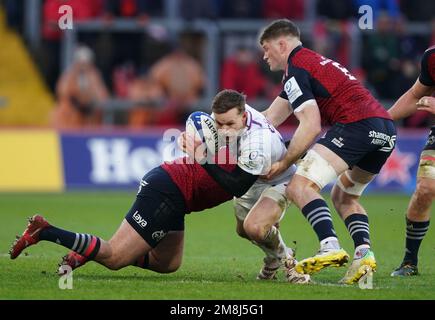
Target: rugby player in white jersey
[[259, 209]]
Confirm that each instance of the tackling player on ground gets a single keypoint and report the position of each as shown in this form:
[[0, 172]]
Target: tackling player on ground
[[418, 97], [152, 234], [320, 91]]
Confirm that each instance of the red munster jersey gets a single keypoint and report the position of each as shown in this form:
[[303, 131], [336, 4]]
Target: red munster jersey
[[340, 96], [199, 189], [427, 74]]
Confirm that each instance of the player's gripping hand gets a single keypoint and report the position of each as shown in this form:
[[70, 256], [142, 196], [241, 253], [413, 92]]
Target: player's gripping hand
[[195, 148], [426, 104], [181, 141]]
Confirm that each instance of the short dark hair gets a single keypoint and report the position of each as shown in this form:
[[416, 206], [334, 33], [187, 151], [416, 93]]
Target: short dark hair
[[228, 99], [277, 28]]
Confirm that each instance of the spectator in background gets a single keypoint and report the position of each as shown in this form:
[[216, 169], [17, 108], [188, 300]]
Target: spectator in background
[[115, 48], [332, 31], [406, 79], [294, 9], [182, 79], [432, 37], [361, 76], [193, 9], [418, 10], [126, 9], [389, 6], [147, 97], [122, 78], [407, 74], [335, 10], [381, 57], [332, 38], [241, 72], [248, 9], [409, 46], [51, 34], [81, 93], [14, 14]]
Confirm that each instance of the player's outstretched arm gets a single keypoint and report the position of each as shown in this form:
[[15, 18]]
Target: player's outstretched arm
[[309, 128], [278, 112], [236, 182], [407, 103], [426, 104]]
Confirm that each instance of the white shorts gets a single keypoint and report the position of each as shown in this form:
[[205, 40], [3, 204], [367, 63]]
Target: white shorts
[[244, 204]]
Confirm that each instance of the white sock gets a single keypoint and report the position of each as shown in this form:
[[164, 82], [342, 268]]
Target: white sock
[[359, 251], [273, 245], [330, 243]]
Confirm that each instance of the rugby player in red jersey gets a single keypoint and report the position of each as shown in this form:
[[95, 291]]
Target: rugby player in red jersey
[[319, 91], [152, 234], [419, 97]]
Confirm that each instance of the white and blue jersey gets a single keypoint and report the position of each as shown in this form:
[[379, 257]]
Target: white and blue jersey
[[259, 146]]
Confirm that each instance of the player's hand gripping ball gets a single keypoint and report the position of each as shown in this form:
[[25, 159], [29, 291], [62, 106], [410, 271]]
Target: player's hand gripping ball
[[201, 135]]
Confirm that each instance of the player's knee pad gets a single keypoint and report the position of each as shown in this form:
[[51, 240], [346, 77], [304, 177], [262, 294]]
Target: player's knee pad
[[277, 194], [426, 167], [355, 189], [316, 169]]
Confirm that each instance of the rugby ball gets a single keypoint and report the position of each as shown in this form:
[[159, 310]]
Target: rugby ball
[[203, 127]]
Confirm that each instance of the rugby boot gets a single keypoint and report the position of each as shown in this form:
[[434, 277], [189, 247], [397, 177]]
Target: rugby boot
[[406, 269], [30, 235], [324, 258], [359, 267], [72, 260], [269, 269], [292, 275]]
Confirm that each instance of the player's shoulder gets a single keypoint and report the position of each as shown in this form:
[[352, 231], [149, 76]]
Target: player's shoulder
[[259, 128], [254, 119], [430, 50], [302, 63], [257, 122], [429, 53], [302, 57]]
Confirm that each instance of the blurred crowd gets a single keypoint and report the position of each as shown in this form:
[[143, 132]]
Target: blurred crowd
[[163, 79]]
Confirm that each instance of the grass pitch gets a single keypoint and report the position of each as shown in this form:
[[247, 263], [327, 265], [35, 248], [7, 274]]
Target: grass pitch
[[216, 265]]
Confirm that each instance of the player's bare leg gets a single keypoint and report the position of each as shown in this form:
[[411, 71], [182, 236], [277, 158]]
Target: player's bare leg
[[166, 257], [271, 263], [127, 248], [417, 224], [123, 249], [242, 206], [345, 196], [319, 167], [260, 227]]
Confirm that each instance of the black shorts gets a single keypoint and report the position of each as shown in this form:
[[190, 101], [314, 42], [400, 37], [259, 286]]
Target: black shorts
[[159, 207], [430, 143], [366, 144]]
